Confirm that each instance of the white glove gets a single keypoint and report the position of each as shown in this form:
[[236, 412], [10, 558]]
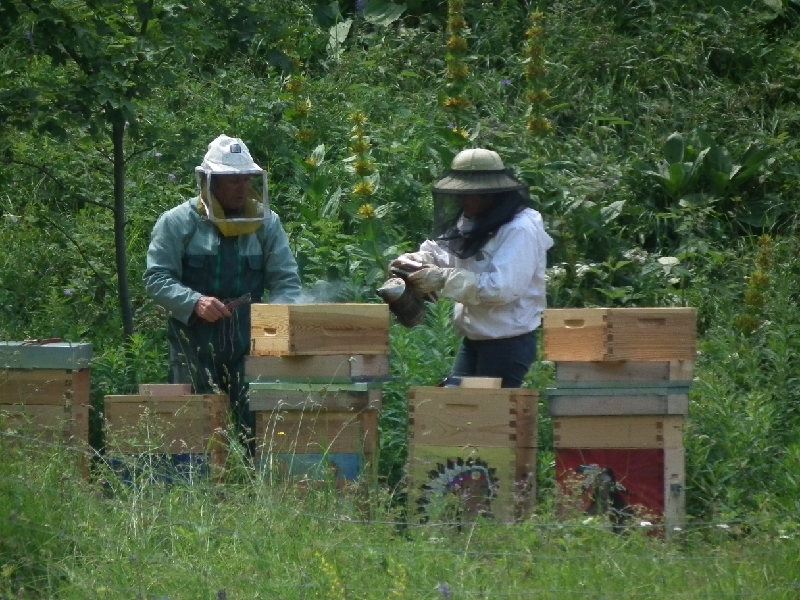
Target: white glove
[[423, 256], [457, 284], [429, 279]]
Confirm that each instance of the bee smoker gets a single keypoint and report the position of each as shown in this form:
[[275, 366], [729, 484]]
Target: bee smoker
[[403, 300]]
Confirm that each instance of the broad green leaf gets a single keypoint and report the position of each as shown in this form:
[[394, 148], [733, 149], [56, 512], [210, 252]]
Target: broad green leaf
[[674, 148], [338, 34], [612, 211], [719, 181], [318, 154], [610, 120], [383, 13], [331, 207], [694, 170], [677, 176], [718, 159]]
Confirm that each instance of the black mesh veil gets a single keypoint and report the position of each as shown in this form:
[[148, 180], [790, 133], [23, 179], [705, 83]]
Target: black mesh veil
[[463, 237]]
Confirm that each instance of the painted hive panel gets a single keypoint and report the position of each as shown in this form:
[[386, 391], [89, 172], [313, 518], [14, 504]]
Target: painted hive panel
[[625, 485], [314, 445]]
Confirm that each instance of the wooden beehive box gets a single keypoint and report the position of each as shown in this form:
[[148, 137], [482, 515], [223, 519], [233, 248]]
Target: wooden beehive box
[[472, 450], [334, 368], [314, 397], [616, 402], [315, 444], [641, 484], [319, 329], [661, 432], [44, 390], [618, 334], [168, 424]]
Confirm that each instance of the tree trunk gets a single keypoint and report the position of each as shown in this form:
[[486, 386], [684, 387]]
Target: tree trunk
[[117, 137]]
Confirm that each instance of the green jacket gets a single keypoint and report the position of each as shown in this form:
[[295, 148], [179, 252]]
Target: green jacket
[[183, 241], [188, 258]]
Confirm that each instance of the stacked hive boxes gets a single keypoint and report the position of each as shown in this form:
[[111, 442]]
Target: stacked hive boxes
[[314, 375], [618, 408], [472, 452], [167, 427], [44, 392]]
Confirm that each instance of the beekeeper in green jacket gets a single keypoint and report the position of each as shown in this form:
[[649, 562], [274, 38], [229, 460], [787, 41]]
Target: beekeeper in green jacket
[[205, 253]]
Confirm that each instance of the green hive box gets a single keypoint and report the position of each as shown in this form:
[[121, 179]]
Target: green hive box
[[60, 355], [44, 392]]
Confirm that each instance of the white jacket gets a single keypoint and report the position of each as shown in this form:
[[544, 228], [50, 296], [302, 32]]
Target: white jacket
[[510, 271]]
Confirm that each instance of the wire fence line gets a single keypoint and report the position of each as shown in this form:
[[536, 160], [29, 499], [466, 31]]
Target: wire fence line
[[110, 465]]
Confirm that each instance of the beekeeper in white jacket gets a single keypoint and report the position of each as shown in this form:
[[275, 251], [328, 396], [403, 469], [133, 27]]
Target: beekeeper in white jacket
[[488, 253]]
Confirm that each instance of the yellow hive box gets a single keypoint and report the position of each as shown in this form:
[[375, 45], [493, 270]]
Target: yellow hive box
[[319, 329], [617, 334]]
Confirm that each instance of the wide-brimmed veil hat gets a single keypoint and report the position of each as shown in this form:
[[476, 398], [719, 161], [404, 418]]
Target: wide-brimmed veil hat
[[230, 156], [477, 171]]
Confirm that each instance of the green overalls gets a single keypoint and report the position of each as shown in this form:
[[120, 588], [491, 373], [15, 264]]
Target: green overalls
[[188, 258]]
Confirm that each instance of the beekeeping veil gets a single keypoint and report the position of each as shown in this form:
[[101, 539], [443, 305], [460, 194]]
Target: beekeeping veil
[[475, 171], [230, 156]]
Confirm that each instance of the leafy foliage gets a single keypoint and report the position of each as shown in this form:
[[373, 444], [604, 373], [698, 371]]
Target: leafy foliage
[[673, 149]]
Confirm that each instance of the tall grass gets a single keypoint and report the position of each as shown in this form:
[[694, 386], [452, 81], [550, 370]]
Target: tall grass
[[63, 538]]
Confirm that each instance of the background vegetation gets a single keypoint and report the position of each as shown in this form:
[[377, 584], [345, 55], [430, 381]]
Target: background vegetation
[[663, 157]]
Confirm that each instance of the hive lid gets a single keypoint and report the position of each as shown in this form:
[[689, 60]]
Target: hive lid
[[58, 355]]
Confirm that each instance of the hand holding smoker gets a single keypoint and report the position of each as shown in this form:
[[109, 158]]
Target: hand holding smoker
[[403, 299]]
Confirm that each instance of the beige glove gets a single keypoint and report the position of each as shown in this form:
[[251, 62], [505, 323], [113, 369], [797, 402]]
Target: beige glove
[[457, 284], [423, 256]]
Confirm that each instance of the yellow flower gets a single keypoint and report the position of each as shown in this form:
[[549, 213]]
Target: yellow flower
[[304, 135], [294, 85], [364, 188], [360, 146], [537, 17], [303, 107], [534, 33], [455, 6], [312, 162], [461, 132], [457, 44], [457, 70], [358, 118], [539, 125], [537, 96], [363, 167], [459, 103], [534, 70], [366, 211], [455, 24]]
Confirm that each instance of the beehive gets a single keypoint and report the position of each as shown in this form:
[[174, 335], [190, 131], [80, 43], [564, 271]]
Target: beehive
[[620, 334], [316, 444], [649, 482], [174, 425], [474, 449], [334, 368], [319, 329], [44, 393]]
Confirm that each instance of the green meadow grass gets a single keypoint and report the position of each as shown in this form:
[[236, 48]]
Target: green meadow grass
[[61, 537]]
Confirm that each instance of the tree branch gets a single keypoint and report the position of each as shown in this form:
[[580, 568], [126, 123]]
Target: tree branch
[[80, 252], [59, 183]]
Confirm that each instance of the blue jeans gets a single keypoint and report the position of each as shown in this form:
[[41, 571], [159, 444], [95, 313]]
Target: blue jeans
[[509, 358]]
